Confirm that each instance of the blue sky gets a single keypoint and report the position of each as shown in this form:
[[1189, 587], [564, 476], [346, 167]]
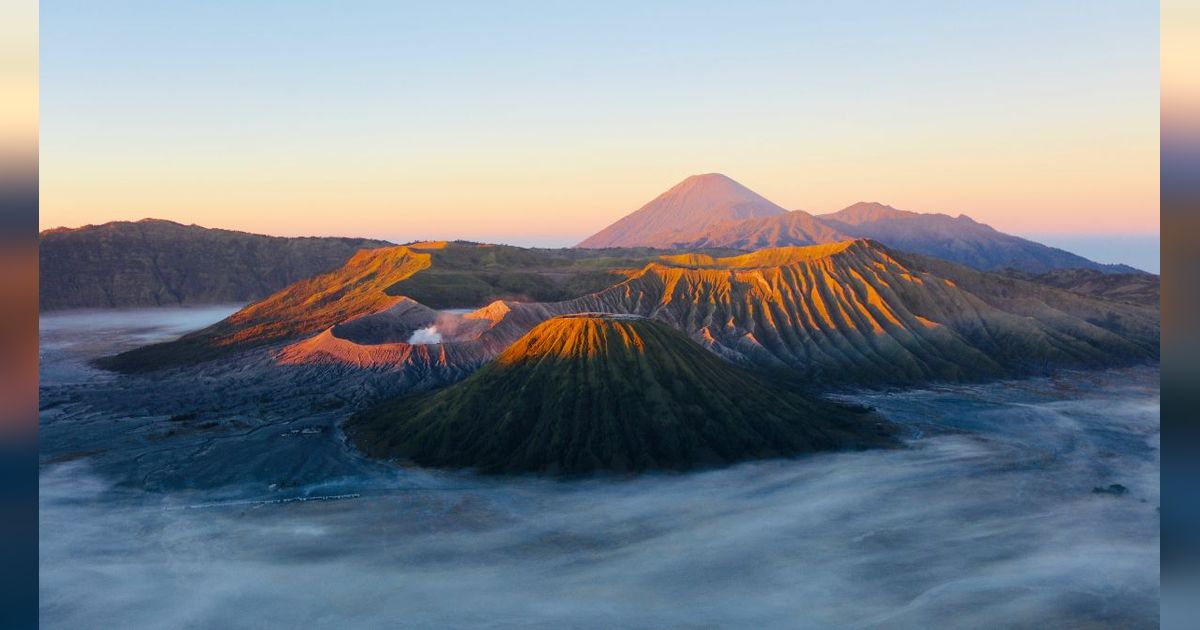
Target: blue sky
[[546, 121]]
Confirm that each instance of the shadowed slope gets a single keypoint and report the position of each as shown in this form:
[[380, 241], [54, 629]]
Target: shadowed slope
[[464, 274], [684, 212], [591, 392], [156, 263], [715, 211], [1133, 288], [794, 228], [959, 239], [356, 289]]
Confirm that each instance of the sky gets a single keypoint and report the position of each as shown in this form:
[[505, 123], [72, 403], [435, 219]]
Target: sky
[[539, 123]]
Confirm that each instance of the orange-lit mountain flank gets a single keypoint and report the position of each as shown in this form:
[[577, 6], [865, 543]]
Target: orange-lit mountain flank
[[856, 311], [386, 284], [849, 312], [580, 393]]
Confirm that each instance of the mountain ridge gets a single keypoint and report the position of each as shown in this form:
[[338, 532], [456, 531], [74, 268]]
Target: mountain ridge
[[848, 313], [155, 262], [375, 281], [860, 312], [1135, 288], [960, 239], [956, 238]]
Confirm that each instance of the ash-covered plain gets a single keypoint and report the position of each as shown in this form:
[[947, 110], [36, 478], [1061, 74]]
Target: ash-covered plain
[[1027, 503]]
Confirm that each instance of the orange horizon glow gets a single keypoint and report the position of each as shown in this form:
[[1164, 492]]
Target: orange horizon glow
[[1032, 118], [564, 208]]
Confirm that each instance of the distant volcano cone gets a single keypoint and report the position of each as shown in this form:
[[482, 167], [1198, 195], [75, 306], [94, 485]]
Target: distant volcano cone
[[581, 393], [684, 212]]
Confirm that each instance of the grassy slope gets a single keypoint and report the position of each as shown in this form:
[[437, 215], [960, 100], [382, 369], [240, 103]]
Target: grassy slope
[[1141, 289], [579, 394], [469, 276]]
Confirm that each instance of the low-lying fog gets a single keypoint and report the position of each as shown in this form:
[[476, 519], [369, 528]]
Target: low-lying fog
[[1022, 504], [66, 337]]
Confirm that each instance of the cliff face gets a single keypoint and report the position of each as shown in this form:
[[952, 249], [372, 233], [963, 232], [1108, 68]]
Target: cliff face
[[592, 392], [157, 263]]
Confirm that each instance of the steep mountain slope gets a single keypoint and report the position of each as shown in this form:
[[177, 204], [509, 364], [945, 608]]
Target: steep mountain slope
[[959, 239], [715, 211], [684, 212], [591, 392], [153, 263], [853, 312], [1067, 311], [857, 312], [357, 288], [794, 228], [1134, 288], [377, 284]]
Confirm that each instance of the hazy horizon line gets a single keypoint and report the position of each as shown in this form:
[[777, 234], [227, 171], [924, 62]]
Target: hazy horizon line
[[1142, 253]]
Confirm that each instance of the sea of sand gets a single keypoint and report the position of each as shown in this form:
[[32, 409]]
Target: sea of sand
[[1031, 503]]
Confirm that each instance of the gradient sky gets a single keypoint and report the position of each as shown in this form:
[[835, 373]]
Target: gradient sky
[[533, 123]]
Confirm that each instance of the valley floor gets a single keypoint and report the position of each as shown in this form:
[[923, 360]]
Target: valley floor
[[175, 502]]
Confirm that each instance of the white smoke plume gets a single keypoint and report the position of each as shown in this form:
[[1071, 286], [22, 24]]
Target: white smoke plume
[[426, 335]]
